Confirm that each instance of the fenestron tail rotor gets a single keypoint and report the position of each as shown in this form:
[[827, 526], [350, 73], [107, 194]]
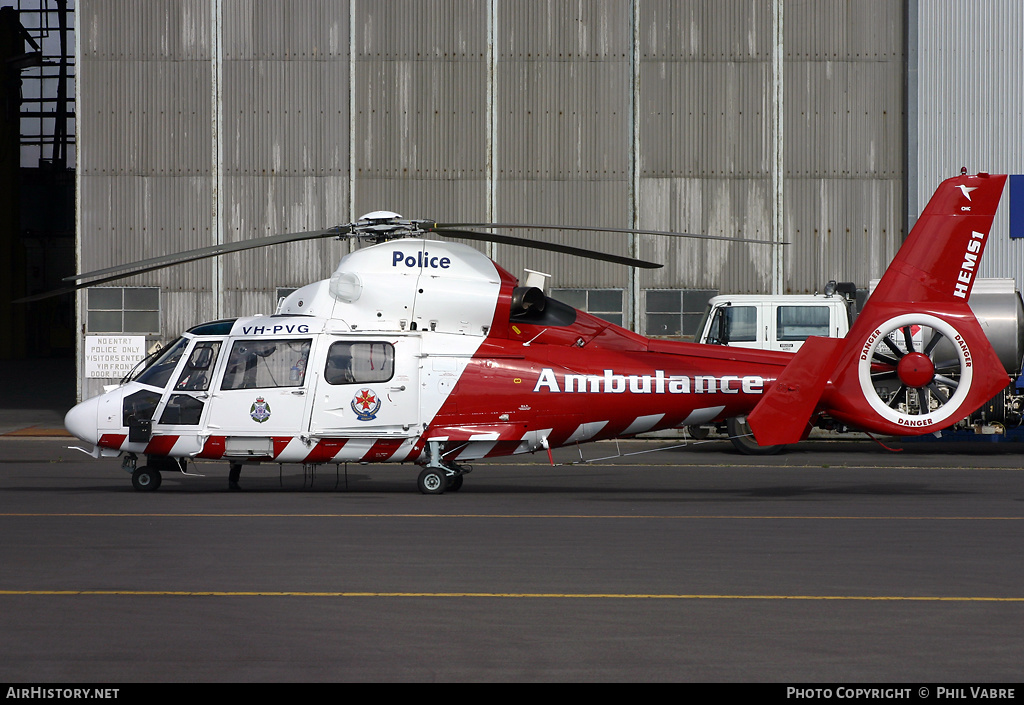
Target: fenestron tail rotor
[[908, 384]]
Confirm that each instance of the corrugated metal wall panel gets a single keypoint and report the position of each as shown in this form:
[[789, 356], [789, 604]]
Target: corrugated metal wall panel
[[143, 125], [844, 30], [146, 217], [704, 152], [563, 120], [705, 119], [970, 108], [442, 200], [260, 207], [285, 30], [551, 31], [556, 202], [840, 228], [563, 138], [421, 30], [144, 30], [728, 207], [843, 119], [420, 119], [844, 141], [285, 118], [420, 115], [128, 128], [706, 30]]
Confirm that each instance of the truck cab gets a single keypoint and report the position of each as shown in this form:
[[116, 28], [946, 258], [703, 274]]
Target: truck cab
[[773, 322]]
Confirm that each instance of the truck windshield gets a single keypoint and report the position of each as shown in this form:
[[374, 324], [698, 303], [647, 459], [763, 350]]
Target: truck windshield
[[733, 324]]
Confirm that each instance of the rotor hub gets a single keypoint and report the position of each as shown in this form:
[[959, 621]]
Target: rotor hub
[[916, 370]]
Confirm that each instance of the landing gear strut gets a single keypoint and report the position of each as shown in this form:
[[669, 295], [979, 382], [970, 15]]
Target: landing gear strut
[[440, 475], [147, 478]]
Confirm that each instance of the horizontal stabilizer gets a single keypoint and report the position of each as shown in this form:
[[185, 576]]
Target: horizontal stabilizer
[[783, 415]]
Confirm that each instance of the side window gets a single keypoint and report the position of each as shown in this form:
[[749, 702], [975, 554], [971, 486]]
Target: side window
[[139, 406], [260, 364], [799, 322], [182, 409], [359, 363]]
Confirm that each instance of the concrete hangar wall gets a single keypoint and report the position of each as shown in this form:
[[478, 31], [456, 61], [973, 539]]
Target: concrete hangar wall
[[210, 121]]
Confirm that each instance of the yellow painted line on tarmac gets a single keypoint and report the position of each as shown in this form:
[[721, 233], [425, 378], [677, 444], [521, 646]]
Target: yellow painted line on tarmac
[[519, 595], [690, 517]]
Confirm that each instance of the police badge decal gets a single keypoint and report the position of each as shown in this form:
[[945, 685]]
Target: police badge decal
[[260, 410], [366, 404]]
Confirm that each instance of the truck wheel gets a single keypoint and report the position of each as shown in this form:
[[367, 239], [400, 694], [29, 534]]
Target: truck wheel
[[743, 439]]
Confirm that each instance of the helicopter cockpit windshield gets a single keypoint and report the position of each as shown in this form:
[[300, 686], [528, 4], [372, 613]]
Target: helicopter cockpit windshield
[[159, 372]]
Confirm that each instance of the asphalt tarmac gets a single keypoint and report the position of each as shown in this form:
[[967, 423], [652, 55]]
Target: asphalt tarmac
[[832, 563]]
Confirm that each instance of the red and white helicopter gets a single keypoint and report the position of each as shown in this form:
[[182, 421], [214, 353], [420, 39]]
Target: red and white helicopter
[[427, 352]]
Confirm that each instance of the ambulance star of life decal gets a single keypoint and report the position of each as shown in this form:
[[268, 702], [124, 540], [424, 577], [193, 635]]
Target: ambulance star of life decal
[[260, 410], [366, 404]]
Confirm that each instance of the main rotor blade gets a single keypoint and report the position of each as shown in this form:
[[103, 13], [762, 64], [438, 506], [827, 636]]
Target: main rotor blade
[[102, 276], [528, 226], [540, 245], [148, 265]]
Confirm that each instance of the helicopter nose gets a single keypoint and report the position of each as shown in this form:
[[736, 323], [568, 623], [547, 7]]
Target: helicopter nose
[[81, 420]]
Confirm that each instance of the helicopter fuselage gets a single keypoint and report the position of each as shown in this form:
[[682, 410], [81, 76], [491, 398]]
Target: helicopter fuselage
[[411, 342]]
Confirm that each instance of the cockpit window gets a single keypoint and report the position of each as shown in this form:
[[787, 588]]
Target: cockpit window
[[258, 364], [158, 374]]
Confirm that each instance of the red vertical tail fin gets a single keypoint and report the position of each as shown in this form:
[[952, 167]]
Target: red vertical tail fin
[[916, 360]]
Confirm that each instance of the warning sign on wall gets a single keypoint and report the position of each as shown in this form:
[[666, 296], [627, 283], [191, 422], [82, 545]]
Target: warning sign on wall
[[112, 356]]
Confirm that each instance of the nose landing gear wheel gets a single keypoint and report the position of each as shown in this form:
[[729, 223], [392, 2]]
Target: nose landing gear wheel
[[931, 382], [146, 479]]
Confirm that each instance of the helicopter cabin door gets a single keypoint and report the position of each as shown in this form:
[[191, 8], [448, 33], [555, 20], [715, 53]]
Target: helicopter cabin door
[[368, 387], [179, 416], [262, 397]]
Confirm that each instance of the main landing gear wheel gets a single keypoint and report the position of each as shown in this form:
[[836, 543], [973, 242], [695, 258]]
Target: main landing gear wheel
[[432, 481], [930, 368], [698, 433], [146, 479], [743, 438]]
